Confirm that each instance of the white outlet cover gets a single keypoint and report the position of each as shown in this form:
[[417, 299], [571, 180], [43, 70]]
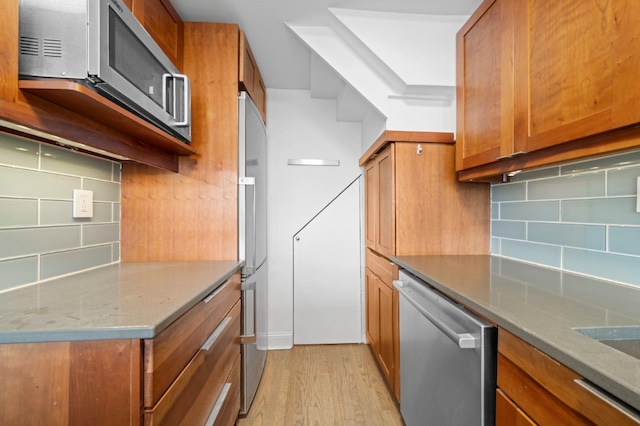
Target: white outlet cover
[[82, 203]]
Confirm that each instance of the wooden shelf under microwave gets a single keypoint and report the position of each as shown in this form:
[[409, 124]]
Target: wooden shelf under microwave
[[84, 101]]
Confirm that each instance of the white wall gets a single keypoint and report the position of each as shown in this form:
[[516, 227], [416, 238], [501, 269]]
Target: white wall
[[300, 127]]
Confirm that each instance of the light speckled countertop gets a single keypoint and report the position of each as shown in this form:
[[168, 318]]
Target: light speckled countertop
[[119, 301], [542, 306]]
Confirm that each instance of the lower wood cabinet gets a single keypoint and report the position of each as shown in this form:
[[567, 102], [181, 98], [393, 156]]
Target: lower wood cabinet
[[508, 413], [382, 316], [206, 379], [536, 389], [188, 374], [189, 364], [71, 383]]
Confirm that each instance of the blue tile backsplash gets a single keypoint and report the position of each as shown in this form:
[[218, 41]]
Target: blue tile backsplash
[[39, 238], [579, 217]]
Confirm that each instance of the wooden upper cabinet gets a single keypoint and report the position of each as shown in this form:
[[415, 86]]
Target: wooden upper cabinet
[[386, 220], [250, 78], [414, 202], [380, 213], [485, 80], [626, 91], [541, 82], [568, 90], [163, 23]]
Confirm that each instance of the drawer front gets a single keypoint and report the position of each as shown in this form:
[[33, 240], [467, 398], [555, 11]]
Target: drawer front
[[548, 391], [385, 269], [228, 402], [168, 353], [192, 396]]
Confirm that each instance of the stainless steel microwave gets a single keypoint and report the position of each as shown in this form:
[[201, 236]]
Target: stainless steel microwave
[[101, 44]]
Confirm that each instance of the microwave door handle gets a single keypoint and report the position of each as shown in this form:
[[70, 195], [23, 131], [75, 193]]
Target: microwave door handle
[[185, 81]]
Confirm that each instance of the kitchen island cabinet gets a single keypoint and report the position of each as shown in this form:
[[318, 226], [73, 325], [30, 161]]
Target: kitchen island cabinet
[[562, 87], [124, 344], [414, 205]]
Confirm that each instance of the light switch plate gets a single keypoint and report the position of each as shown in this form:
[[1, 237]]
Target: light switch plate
[[82, 203]]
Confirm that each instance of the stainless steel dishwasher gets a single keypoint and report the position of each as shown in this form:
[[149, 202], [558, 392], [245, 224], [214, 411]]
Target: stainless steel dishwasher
[[447, 359]]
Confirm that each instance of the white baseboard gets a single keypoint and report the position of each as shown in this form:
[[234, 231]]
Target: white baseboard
[[278, 341]]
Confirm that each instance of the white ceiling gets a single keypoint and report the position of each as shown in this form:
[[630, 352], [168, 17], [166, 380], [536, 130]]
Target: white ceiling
[[284, 60]]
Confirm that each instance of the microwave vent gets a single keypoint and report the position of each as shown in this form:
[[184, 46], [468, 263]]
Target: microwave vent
[[50, 48], [29, 46]]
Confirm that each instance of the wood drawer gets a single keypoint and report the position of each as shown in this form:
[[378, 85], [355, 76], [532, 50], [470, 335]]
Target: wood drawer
[[549, 392], [168, 353], [508, 413], [192, 396], [385, 269], [229, 402]]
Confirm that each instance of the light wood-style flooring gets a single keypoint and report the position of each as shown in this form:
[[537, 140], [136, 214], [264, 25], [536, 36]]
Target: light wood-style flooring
[[322, 385]]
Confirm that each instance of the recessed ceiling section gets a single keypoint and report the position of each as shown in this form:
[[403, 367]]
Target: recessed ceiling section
[[389, 62], [283, 60], [419, 49]]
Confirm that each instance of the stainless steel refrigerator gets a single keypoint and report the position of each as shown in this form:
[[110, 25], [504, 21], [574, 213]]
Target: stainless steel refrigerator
[[252, 246]]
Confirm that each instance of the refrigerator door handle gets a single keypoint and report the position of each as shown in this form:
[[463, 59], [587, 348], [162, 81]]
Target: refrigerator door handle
[[251, 181], [250, 338]]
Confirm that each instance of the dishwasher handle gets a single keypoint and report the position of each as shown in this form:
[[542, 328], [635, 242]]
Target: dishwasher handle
[[463, 340]]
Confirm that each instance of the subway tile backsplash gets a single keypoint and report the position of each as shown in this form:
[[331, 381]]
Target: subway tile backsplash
[[39, 238], [578, 217]]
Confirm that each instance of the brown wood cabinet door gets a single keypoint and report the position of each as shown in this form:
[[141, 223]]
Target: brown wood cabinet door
[[386, 352], [70, 383], [372, 310], [385, 229], [626, 91], [568, 64], [396, 338], [371, 204], [163, 23], [485, 84], [435, 213], [250, 77]]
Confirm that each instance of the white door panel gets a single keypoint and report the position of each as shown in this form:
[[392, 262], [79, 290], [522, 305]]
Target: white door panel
[[327, 278]]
